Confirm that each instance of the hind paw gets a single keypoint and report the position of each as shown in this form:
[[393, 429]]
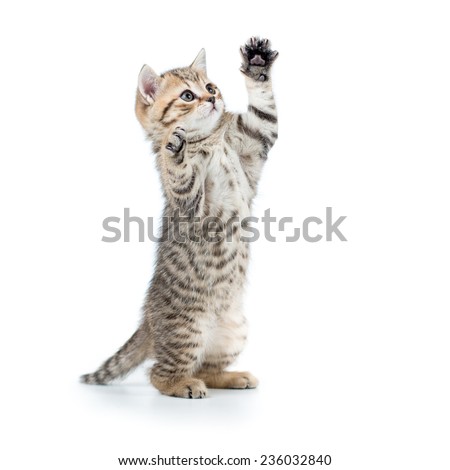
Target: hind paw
[[191, 388], [226, 379], [187, 387]]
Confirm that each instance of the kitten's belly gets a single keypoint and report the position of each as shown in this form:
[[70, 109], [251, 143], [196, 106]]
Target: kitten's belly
[[229, 197], [227, 338], [223, 324]]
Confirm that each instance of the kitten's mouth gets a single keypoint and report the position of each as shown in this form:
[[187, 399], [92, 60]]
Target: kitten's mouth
[[212, 110]]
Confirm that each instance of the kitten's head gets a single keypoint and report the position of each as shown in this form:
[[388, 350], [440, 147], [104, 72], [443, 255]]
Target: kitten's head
[[183, 96]]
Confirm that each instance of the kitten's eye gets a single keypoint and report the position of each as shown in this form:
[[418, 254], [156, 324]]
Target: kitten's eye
[[210, 89], [187, 95]]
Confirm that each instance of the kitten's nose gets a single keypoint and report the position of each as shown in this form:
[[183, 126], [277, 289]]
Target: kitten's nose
[[211, 99]]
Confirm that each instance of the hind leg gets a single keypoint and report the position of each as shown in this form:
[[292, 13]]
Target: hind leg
[[176, 382], [177, 358]]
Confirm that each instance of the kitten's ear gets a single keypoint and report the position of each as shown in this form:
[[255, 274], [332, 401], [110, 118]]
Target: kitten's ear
[[200, 62], [148, 84]]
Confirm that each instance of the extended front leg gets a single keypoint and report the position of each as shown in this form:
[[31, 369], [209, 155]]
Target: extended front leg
[[258, 127], [261, 117], [182, 173]]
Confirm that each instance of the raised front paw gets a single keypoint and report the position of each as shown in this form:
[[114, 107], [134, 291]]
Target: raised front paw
[[257, 58], [176, 141]]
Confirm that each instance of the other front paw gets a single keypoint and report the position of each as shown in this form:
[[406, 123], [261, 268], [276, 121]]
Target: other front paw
[[257, 58], [176, 141]]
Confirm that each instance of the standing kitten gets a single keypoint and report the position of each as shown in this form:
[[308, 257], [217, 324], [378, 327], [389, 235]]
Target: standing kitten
[[210, 162]]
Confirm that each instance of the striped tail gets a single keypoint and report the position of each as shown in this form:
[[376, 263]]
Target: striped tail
[[127, 358]]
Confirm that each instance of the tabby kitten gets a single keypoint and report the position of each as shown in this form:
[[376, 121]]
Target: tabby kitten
[[210, 162]]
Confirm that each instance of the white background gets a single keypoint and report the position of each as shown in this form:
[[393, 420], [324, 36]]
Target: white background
[[350, 340]]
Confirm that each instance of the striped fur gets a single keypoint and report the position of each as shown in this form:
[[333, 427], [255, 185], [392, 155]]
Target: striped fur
[[210, 162]]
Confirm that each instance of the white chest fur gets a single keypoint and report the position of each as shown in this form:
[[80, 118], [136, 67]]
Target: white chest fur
[[227, 184]]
